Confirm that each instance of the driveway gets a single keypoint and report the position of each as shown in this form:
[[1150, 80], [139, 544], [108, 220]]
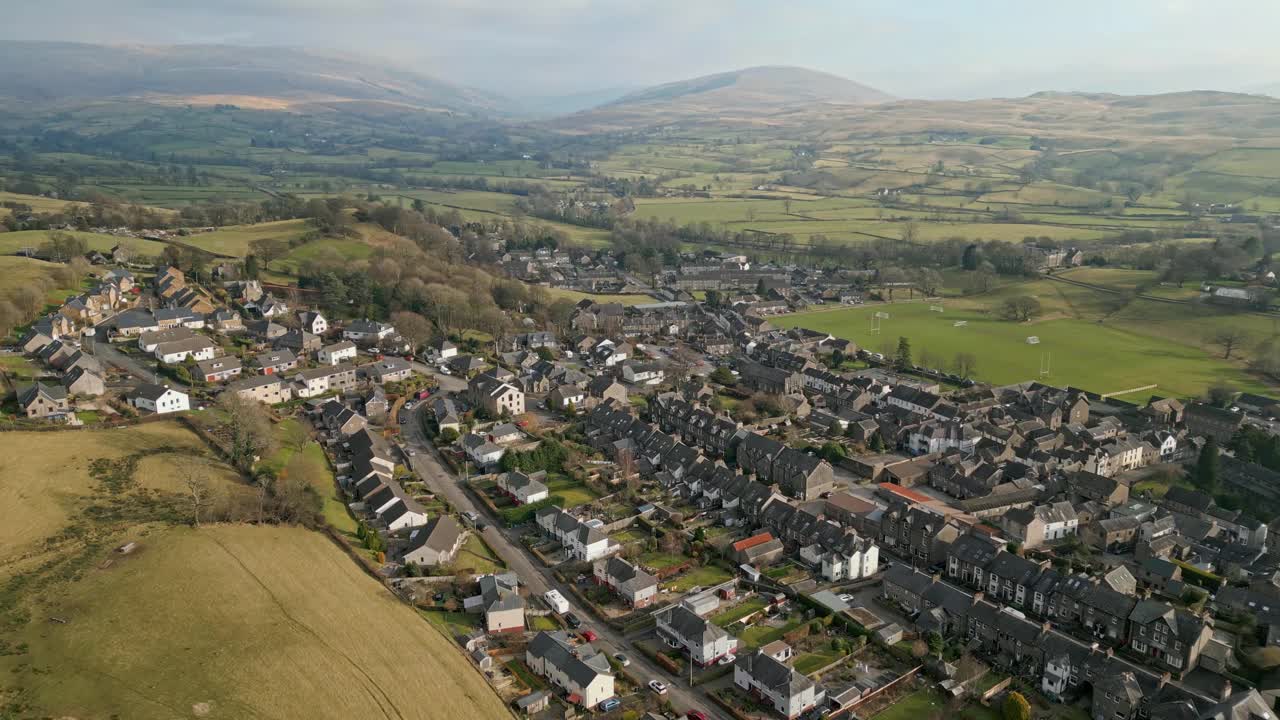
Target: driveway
[[140, 369], [536, 578], [448, 383]]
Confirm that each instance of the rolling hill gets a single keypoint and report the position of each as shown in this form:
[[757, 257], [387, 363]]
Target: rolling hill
[[264, 77], [751, 92]]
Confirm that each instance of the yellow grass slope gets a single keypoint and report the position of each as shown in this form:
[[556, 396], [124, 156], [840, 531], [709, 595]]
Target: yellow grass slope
[[45, 481], [223, 621], [248, 622]]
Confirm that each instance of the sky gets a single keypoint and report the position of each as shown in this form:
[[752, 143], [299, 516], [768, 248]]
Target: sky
[[914, 48]]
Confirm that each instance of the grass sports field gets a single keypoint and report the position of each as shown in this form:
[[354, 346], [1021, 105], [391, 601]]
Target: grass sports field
[[227, 620], [575, 296], [1099, 356]]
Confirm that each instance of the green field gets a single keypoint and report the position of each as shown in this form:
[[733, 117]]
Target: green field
[[12, 242], [335, 251], [1103, 357], [234, 241]]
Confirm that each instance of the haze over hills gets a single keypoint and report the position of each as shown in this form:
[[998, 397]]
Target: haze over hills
[[268, 77], [750, 92]]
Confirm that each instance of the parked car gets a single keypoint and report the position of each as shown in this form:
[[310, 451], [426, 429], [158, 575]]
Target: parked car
[[610, 704], [696, 715], [572, 621], [621, 659], [590, 635], [726, 660], [847, 598], [658, 687]]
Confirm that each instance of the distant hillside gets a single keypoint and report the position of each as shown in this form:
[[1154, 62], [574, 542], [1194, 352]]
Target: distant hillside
[[265, 77], [752, 92], [769, 85]]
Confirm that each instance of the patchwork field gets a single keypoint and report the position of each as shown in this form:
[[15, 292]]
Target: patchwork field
[[220, 621]]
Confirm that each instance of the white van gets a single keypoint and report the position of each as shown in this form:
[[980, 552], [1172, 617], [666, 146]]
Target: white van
[[556, 601]]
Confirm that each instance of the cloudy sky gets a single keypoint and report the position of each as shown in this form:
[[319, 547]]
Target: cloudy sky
[[912, 48]]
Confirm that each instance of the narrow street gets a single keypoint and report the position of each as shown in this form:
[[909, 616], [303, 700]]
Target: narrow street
[[533, 575]]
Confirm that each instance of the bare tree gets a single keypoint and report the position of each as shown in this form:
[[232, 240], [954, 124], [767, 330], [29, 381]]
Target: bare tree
[[1229, 338], [296, 436], [249, 430], [965, 364], [415, 328], [195, 478]]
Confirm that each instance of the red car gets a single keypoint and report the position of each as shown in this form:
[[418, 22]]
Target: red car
[[589, 635], [696, 715]]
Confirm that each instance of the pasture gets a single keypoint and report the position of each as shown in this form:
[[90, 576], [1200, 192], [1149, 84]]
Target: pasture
[[13, 242], [45, 480], [234, 241], [241, 621], [191, 621]]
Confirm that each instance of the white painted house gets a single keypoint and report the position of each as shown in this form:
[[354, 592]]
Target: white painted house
[[336, 353], [159, 399], [313, 322], [196, 348]]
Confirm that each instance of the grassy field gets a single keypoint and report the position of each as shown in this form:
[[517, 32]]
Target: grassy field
[[325, 250], [150, 638], [235, 240], [1143, 343], [309, 462], [189, 623], [12, 242], [45, 481]]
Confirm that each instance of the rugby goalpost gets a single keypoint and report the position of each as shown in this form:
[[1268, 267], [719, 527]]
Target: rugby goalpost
[[876, 320]]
